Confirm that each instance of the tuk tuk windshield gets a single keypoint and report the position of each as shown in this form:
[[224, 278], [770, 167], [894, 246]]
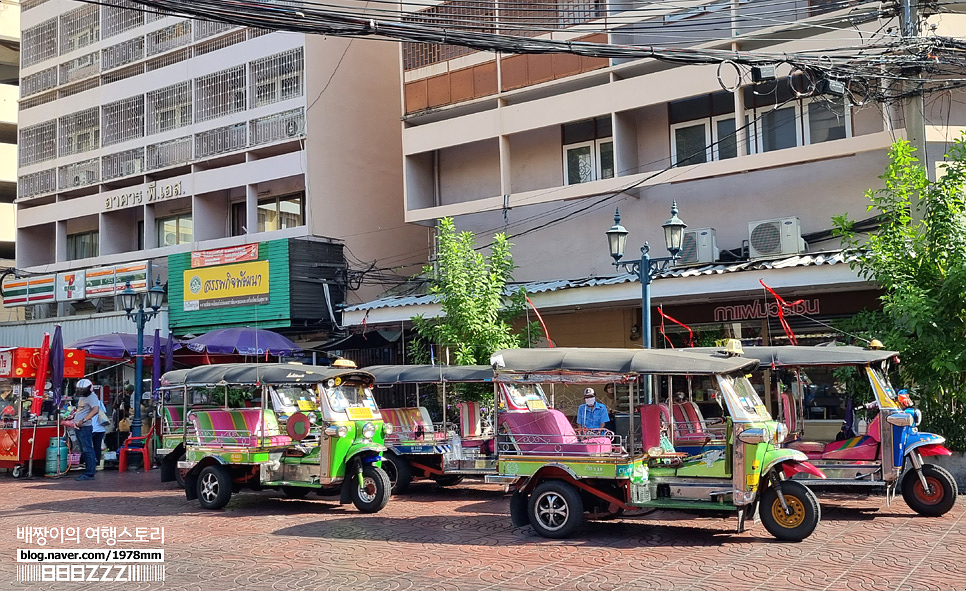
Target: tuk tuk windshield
[[743, 401], [884, 391], [291, 399], [347, 395], [521, 394]]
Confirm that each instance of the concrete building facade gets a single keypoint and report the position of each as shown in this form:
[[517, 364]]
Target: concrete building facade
[[144, 135]]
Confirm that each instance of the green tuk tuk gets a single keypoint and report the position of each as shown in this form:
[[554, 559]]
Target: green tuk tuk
[[559, 477], [332, 444]]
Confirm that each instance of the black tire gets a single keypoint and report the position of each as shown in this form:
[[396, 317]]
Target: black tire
[[399, 472], [944, 491], [555, 509], [178, 475], [373, 495], [214, 487], [16, 471], [803, 519], [448, 479], [296, 492], [518, 510]]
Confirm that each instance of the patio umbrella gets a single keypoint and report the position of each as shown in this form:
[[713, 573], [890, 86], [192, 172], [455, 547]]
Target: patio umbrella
[[243, 341], [116, 345], [57, 365], [156, 366], [169, 353]]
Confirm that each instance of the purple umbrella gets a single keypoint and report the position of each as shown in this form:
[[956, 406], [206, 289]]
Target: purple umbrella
[[116, 345], [169, 353], [156, 367], [243, 341]]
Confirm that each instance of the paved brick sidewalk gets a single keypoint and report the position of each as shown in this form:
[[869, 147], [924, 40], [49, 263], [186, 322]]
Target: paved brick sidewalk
[[461, 539]]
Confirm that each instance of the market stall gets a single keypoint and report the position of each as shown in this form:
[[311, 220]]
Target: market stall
[[25, 437]]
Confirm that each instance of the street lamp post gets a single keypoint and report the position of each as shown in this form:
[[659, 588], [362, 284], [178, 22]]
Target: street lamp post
[[647, 267], [133, 305]]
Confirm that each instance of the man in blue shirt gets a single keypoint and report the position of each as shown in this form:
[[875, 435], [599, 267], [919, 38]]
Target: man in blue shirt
[[591, 415]]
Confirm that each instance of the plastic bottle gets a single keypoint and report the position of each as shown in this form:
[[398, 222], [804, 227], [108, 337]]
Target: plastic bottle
[[862, 427]]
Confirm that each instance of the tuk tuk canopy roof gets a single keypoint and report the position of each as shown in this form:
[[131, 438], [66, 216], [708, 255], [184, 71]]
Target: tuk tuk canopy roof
[[616, 362], [430, 374], [261, 373], [800, 356]]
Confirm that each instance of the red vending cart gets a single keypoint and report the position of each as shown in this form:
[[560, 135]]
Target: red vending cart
[[20, 442]]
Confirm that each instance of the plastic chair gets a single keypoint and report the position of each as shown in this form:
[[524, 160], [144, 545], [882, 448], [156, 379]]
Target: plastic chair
[[141, 445]]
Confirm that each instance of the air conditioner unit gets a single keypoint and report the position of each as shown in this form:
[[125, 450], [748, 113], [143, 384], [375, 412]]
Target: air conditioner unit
[[291, 127], [767, 238], [698, 246], [78, 180]]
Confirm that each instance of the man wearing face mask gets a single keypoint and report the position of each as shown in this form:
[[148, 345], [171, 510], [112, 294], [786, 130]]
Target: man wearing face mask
[[591, 415]]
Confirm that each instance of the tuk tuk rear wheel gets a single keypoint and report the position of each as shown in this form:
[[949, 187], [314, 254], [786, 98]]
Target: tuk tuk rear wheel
[[555, 509], [214, 487], [938, 500], [399, 472], [804, 512], [449, 479], [373, 495]]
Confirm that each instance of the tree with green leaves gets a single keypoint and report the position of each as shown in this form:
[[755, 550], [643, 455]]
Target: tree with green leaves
[[918, 257], [477, 313]]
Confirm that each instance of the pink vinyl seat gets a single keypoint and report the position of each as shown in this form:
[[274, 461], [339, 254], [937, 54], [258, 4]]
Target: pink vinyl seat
[[549, 432]]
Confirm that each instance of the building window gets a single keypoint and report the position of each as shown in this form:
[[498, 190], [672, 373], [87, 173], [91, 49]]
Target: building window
[[38, 43], [177, 229], [278, 213], [219, 94], [79, 28], [703, 128], [82, 246], [78, 132], [277, 78], [588, 150], [123, 120], [38, 143], [120, 15], [169, 108]]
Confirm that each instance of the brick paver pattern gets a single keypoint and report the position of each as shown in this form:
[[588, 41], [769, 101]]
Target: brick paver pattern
[[435, 539]]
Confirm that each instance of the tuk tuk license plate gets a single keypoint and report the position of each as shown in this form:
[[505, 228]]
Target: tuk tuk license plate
[[640, 493], [359, 413]]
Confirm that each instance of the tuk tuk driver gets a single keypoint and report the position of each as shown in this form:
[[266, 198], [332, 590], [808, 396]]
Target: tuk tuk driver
[[591, 415]]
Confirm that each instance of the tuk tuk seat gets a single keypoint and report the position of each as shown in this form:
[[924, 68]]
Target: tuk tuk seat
[[172, 420], [688, 430], [549, 431], [410, 423], [237, 427], [470, 424], [653, 418]]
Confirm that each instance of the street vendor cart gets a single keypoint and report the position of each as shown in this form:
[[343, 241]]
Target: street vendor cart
[[24, 438]]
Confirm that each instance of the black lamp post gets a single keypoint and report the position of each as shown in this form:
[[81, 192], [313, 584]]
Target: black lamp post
[[134, 305], [647, 267]]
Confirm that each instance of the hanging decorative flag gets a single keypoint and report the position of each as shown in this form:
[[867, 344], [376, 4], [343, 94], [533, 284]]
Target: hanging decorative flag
[[660, 310], [39, 385], [782, 304]]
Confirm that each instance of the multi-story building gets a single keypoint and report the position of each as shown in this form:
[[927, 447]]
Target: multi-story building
[[9, 78], [145, 137], [546, 146]]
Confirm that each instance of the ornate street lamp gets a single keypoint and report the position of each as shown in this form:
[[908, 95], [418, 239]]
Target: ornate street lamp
[[647, 267], [134, 306]]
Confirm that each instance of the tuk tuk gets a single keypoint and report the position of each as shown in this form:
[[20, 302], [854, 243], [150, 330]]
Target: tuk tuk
[[559, 477], [446, 451], [888, 454], [332, 444]]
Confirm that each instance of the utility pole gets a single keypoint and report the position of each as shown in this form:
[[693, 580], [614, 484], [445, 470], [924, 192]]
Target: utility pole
[[914, 104]]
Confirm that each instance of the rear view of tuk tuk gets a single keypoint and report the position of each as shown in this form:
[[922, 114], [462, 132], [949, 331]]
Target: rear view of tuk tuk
[[332, 443], [560, 477]]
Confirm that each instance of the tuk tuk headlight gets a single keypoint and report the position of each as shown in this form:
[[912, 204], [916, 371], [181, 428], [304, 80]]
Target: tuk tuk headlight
[[368, 430], [336, 430], [781, 432], [918, 414], [387, 429], [313, 419]]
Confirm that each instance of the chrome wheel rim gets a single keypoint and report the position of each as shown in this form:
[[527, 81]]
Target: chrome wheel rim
[[209, 487], [551, 511], [367, 492]]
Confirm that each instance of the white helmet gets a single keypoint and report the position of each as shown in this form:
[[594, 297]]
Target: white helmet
[[83, 387]]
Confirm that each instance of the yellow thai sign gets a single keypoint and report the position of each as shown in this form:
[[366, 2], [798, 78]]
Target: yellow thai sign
[[359, 414], [243, 284]]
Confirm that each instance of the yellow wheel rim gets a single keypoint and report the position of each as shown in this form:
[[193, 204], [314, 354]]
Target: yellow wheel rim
[[796, 515]]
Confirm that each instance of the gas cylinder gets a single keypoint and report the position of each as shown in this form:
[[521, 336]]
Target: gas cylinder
[[52, 451]]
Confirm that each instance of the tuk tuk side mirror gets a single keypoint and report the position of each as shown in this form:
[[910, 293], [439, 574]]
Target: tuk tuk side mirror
[[901, 419], [752, 436]]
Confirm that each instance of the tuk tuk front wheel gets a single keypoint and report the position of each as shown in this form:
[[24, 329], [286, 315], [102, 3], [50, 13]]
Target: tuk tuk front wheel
[[555, 509], [803, 512], [373, 495], [934, 502], [214, 487]]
